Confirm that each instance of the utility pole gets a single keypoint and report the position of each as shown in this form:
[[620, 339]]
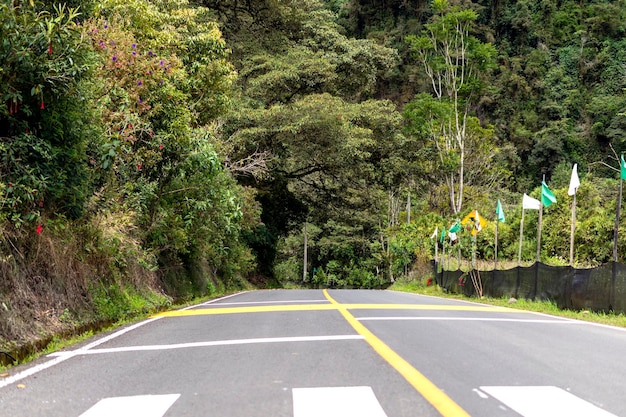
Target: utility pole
[[306, 243]]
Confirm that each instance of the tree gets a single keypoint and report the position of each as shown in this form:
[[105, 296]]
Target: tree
[[455, 63], [164, 80]]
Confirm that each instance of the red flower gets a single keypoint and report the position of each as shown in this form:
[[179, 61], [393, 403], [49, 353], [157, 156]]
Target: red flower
[[50, 48], [429, 282], [39, 229], [161, 146], [43, 106], [138, 167]]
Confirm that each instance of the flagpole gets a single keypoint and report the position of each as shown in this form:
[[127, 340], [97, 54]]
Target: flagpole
[[443, 255], [436, 248], [540, 220], [574, 183], [617, 215], [539, 233], [573, 229], [495, 258], [521, 234]]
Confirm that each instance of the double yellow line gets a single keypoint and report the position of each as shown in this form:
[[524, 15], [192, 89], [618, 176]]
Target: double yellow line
[[437, 398]]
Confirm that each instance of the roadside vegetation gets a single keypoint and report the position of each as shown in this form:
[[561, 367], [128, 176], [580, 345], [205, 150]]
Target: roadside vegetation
[[545, 307]]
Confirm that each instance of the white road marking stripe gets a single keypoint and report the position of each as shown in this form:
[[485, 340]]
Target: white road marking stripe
[[137, 406], [67, 355], [442, 318], [545, 401], [336, 402], [215, 300], [272, 302], [211, 343], [63, 356]]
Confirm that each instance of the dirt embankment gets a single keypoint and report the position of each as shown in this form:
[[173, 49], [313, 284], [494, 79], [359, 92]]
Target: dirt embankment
[[51, 287]]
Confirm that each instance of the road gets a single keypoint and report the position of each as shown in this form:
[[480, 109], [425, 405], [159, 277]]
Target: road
[[313, 353]]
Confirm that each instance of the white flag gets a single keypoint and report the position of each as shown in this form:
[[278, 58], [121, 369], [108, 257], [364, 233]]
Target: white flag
[[574, 182], [434, 235], [529, 203]]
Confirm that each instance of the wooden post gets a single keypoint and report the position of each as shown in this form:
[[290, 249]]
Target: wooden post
[[474, 252], [521, 237]]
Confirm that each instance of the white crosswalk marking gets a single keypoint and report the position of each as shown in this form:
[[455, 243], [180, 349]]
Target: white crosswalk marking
[[336, 402], [544, 402], [136, 406]]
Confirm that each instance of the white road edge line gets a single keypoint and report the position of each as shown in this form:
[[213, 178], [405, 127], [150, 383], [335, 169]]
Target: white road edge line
[[516, 310], [211, 344], [215, 300], [443, 318], [67, 355]]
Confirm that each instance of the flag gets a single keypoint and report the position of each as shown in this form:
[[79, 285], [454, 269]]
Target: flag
[[547, 197], [455, 227], [453, 230], [475, 222], [435, 233], [622, 169], [443, 236], [574, 182], [529, 203], [500, 212]]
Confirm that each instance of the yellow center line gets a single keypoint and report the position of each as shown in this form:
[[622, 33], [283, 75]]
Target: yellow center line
[[437, 398], [332, 306], [248, 309]]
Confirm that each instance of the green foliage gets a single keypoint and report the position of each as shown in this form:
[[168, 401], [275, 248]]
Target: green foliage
[[43, 122]]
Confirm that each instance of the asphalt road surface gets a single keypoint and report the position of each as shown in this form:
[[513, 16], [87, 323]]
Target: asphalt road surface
[[337, 353]]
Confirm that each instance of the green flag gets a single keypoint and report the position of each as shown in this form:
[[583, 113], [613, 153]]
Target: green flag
[[443, 235], [500, 212], [622, 169], [455, 227], [547, 197]]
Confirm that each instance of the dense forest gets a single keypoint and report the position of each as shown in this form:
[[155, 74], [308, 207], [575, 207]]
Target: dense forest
[[159, 150]]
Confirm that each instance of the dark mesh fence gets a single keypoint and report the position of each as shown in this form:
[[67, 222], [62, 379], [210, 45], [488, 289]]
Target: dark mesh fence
[[598, 289]]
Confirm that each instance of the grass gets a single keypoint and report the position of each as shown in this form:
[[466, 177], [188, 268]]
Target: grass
[[546, 307]]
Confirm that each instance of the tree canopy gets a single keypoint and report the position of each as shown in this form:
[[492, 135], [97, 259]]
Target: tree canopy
[[216, 130]]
